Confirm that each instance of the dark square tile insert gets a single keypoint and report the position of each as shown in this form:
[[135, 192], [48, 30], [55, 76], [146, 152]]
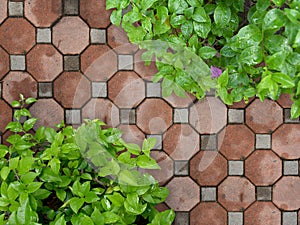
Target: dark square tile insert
[[71, 63]]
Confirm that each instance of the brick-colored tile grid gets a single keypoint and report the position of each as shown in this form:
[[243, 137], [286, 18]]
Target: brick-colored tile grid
[[224, 165]]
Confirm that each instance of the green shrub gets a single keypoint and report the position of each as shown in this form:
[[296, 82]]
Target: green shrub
[[68, 176], [240, 48]]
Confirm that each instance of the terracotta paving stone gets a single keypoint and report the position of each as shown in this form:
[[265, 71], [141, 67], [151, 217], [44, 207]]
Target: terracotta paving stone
[[4, 63], [76, 93], [181, 142], [154, 116], [71, 35], [262, 213], [286, 193], [208, 168], [208, 213], [48, 112], [264, 117], [236, 142], [118, 40], [180, 102], [17, 35], [208, 115], [286, 141], [167, 167], [94, 12], [44, 62], [146, 72], [94, 109], [126, 89], [236, 193], [16, 83], [3, 10], [263, 167], [183, 197], [5, 115], [132, 134], [285, 101], [92, 62], [43, 13]]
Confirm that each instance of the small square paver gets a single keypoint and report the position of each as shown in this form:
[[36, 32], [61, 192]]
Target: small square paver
[[181, 115], [182, 218], [43, 35], [153, 89], [212, 92], [287, 117], [236, 168], [235, 218], [263, 141], [289, 218], [290, 167], [15, 8], [208, 194], [99, 89], [98, 36], [45, 90], [236, 116], [209, 142], [181, 168], [17, 62], [71, 63], [158, 138], [125, 62], [264, 193], [71, 7], [127, 116], [73, 116]]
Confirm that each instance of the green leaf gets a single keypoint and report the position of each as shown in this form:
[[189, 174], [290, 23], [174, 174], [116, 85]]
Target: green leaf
[[97, 217], [297, 40], [116, 199], [202, 29], [200, 15], [14, 127], [195, 3], [133, 148], [50, 134], [177, 20], [13, 163], [145, 162], [262, 5], [187, 28], [166, 217], [61, 221], [76, 203], [251, 56], [28, 124], [29, 101], [4, 172], [177, 6], [110, 217], [15, 104], [274, 20], [32, 187], [29, 177], [162, 13], [148, 144], [133, 206], [283, 79], [110, 4], [61, 194], [41, 194], [207, 52], [146, 4], [25, 164], [116, 17], [279, 3], [24, 213], [295, 110], [127, 177], [293, 15], [248, 36], [222, 15]]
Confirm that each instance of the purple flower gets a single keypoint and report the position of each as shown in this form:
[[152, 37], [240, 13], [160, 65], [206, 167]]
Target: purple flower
[[215, 72]]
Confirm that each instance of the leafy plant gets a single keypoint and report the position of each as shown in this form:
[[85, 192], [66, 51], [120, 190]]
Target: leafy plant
[[85, 176], [256, 45]]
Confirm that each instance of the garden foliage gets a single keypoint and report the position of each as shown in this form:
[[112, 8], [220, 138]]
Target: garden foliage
[[67, 176], [255, 45]]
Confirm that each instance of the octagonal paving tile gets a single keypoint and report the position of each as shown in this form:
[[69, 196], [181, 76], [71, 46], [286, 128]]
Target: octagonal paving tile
[[236, 193], [146, 72], [208, 115], [263, 167], [132, 134], [181, 142], [167, 167], [95, 13], [72, 89], [183, 197], [71, 35], [236, 142], [208, 168], [3, 10], [286, 141], [48, 112], [126, 89], [17, 35], [44, 62], [262, 213], [16, 83], [209, 213], [286, 193], [99, 62], [118, 40], [94, 109], [285, 101], [43, 13], [180, 102], [264, 117], [154, 116], [5, 115], [4, 63]]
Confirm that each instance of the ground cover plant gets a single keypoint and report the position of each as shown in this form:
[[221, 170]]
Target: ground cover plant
[[88, 175], [239, 48]]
